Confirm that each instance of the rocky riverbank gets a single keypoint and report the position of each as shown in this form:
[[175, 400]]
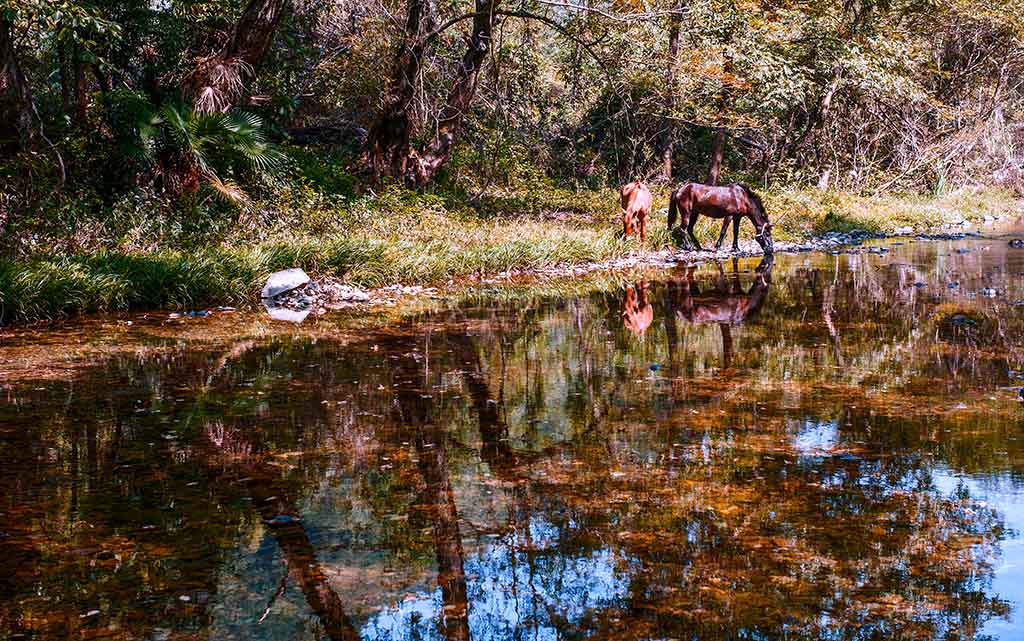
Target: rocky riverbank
[[319, 296]]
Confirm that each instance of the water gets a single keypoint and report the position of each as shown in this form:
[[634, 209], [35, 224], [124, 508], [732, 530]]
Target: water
[[827, 448]]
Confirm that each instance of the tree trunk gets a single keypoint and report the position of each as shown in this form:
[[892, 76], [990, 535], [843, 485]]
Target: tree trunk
[[718, 145], [460, 97], [255, 31], [219, 81], [15, 92], [65, 79], [81, 90], [717, 152], [387, 147], [668, 142]]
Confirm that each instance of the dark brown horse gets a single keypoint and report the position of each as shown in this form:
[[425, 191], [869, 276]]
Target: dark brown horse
[[728, 202]]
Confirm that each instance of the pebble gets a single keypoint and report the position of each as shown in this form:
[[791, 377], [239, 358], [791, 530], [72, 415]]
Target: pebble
[[281, 520], [962, 321]]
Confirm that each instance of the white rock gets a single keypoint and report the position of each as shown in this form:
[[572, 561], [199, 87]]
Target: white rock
[[284, 281]]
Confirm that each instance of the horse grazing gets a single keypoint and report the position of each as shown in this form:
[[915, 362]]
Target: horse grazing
[[727, 202], [635, 200], [637, 314]]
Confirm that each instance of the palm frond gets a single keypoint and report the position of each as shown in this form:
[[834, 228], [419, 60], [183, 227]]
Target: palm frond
[[227, 190]]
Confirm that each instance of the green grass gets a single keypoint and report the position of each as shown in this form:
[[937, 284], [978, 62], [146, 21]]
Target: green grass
[[48, 288], [800, 214], [402, 237]]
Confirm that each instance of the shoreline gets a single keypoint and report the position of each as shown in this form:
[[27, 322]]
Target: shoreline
[[387, 270], [833, 243], [53, 349]]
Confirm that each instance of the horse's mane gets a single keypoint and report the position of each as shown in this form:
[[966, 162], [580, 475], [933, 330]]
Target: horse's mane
[[754, 197]]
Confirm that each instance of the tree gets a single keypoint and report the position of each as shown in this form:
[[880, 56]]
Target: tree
[[220, 80], [15, 92], [668, 142], [388, 147]]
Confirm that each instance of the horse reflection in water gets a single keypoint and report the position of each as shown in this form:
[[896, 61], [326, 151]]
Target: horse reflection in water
[[727, 304], [637, 311]]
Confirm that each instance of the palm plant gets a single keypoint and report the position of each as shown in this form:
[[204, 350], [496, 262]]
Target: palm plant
[[186, 150]]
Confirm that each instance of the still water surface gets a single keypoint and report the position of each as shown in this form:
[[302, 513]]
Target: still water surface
[[827, 447]]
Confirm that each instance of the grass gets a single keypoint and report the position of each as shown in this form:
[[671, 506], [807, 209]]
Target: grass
[[402, 237], [46, 288], [806, 213]]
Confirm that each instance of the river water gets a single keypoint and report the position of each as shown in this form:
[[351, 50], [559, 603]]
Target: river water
[[823, 447]]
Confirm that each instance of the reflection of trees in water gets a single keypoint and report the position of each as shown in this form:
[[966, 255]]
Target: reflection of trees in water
[[697, 511]]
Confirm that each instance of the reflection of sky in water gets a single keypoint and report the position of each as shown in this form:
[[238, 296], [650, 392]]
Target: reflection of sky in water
[[1008, 582], [246, 586], [815, 437], [512, 596]]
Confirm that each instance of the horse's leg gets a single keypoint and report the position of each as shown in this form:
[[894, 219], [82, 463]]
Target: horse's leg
[[736, 220], [689, 230], [720, 281], [643, 229], [721, 235]]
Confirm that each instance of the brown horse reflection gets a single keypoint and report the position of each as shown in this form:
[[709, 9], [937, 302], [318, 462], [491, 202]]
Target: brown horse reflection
[[727, 304], [637, 311]]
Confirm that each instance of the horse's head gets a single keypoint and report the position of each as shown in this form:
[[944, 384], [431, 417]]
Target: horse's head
[[764, 238]]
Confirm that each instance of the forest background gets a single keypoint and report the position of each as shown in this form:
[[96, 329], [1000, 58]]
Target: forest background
[[173, 152]]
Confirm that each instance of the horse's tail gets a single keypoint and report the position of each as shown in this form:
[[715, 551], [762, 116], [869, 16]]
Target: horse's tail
[[754, 198], [672, 209]]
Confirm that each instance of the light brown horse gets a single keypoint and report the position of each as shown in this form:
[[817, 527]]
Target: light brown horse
[[637, 311], [635, 200], [733, 202]]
